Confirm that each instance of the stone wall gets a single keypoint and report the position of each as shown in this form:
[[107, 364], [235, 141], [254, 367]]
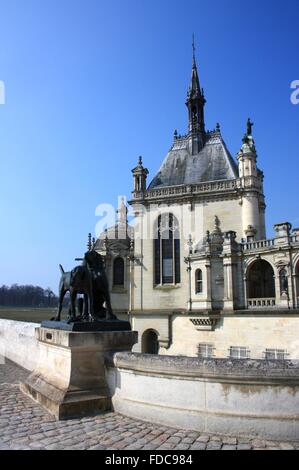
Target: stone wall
[[245, 398], [18, 343], [255, 331]]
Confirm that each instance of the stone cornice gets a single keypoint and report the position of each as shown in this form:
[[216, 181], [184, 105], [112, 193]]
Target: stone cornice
[[213, 189]]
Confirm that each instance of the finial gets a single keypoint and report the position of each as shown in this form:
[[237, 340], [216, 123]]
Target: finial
[[218, 127], [249, 126], [175, 134], [193, 46], [140, 161], [89, 243]]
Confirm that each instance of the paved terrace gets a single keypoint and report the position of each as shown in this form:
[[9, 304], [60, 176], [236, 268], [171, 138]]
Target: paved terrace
[[24, 425]]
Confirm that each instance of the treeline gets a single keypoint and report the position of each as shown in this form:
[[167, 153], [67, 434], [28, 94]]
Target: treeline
[[27, 296]]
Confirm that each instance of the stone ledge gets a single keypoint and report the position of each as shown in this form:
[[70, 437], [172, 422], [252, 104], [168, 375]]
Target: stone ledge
[[229, 370]]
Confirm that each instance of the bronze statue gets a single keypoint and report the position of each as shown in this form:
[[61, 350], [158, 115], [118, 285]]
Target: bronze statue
[[100, 287], [249, 126], [90, 280]]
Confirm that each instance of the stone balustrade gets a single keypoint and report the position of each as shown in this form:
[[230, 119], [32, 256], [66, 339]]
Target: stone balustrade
[[259, 245], [261, 303], [201, 188]]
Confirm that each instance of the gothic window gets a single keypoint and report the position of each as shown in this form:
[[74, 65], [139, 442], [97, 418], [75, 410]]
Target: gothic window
[[283, 280], [167, 251], [118, 272], [198, 282]]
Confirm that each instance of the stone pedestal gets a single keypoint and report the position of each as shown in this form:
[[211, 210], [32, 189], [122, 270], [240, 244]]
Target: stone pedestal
[[70, 378]]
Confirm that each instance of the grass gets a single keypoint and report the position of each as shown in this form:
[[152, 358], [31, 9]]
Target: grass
[[34, 315]]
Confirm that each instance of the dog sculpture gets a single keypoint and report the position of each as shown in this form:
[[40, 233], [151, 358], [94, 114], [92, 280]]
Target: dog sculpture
[[77, 281], [90, 280], [100, 287]]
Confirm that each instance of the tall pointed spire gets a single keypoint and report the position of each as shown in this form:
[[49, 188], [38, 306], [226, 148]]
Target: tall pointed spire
[[194, 89], [195, 103]]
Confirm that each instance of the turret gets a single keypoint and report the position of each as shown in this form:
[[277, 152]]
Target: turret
[[140, 175], [253, 205], [247, 154]]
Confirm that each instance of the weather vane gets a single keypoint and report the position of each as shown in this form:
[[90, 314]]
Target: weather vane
[[193, 44]]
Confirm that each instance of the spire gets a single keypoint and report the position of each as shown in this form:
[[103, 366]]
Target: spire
[[194, 89], [195, 103], [121, 225]]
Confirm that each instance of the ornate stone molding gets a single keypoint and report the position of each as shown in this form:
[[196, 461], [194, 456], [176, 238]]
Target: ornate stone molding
[[206, 324]]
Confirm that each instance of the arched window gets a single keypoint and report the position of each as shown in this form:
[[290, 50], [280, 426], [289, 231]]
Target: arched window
[[118, 272], [260, 280], [283, 281], [167, 251], [150, 342], [198, 282]]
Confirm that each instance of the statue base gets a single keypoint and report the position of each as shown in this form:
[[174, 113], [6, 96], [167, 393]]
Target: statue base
[[70, 378], [85, 326]]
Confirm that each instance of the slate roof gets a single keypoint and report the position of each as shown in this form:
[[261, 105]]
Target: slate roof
[[212, 163]]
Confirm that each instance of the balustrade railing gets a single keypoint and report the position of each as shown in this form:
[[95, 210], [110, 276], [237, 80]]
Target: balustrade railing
[[261, 303], [257, 245]]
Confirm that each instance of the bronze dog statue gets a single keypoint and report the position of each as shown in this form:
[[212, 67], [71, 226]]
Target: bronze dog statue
[[90, 280]]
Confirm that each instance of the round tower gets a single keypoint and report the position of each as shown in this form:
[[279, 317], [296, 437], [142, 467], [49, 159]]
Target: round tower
[[252, 197]]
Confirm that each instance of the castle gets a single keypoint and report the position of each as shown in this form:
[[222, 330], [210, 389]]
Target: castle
[[196, 273]]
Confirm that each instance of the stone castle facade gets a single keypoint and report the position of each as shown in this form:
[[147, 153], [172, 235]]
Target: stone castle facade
[[196, 273]]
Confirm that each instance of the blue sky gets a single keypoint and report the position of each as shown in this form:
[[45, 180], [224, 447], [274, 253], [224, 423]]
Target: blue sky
[[91, 85]]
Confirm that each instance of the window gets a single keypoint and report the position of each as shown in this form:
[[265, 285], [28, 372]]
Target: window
[[275, 354], [118, 272], [205, 350], [237, 352], [167, 251], [198, 282]]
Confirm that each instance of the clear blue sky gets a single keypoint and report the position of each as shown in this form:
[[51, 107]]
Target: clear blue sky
[[92, 84]]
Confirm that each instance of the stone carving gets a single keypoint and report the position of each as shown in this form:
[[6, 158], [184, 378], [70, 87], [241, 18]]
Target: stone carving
[[205, 323]]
